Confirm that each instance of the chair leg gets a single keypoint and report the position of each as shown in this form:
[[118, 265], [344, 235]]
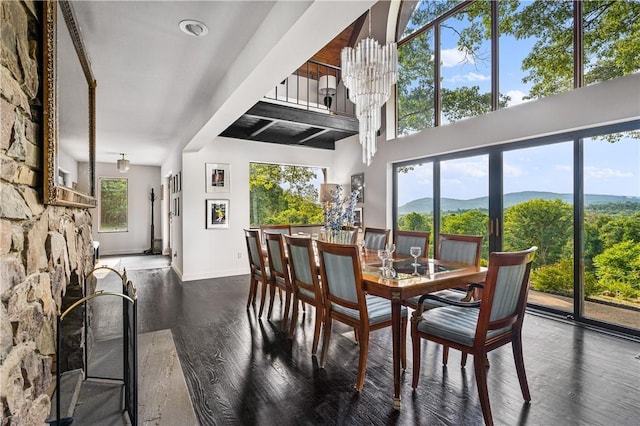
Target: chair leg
[[481, 381], [463, 361], [403, 344], [287, 303], [294, 317], [272, 296], [355, 334], [445, 355], [415, 344], [264, 296], [317, 328], [253, 284], [516, 344], [362, 361], [325, 340]]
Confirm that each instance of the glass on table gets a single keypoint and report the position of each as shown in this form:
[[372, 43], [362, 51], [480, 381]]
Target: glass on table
[[415, 252]]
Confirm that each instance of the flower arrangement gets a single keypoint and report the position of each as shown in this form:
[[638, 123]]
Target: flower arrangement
[[339, 212]]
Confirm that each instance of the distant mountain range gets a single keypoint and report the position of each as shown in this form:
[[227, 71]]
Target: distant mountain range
[[425, 205]]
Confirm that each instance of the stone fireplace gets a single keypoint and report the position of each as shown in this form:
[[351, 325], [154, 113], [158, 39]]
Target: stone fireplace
[[45, 251]]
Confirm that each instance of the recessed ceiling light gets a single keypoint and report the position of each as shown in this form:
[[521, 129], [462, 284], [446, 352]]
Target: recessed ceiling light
[[193, 28]]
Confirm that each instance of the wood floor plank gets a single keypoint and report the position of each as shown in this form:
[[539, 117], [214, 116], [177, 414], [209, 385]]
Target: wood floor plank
[[242, 370]]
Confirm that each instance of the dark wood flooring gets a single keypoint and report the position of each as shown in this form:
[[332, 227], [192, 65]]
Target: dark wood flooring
[[241, 370]]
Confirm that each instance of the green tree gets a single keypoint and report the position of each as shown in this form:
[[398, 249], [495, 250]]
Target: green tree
[[618, 267], [283, 194], [547, 224], [470, 222], [415, 222], [113, 204]]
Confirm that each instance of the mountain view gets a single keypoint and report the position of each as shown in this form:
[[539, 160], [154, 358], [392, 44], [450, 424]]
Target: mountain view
[[425, 205]]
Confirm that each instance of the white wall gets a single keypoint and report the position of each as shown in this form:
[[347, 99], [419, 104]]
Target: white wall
[[172, 226], [137, 239], [211, 253], [610, 102]]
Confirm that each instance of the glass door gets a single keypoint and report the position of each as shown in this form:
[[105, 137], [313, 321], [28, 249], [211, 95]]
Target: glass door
[[538, 211]]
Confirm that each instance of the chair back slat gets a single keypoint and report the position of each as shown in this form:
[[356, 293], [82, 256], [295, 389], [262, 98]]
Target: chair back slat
[[275, 250], [301, 264], [340, 281], [460, 249], [375, 238], [341, 276], [507, 290], [407, 239], [254, 248]]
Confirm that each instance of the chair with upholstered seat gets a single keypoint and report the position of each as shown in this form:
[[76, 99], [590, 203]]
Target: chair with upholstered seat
[[279, 269], [404, 240], [259, 271], [274, 229], [454, 248], [346, 301], [479, 327], [375, 238], [305, 283]]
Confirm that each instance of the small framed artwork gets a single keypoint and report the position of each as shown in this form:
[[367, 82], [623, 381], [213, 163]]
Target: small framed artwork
[[176, 206], [357, 217], [218, 177], [357, 182], [179, 182], [217, 214]]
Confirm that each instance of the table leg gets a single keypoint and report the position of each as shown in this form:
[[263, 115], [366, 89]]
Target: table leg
[[396, 329]]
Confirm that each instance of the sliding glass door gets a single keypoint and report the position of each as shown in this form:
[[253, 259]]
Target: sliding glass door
[[538, 211], [576, 197]]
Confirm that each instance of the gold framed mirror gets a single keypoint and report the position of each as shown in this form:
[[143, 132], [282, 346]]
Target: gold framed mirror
[[69, 118]]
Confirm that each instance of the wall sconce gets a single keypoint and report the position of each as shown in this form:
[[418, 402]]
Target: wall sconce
[[123, 165], [327, 85]]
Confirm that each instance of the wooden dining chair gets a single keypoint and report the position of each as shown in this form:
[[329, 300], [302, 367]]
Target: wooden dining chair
[[404, 240], [259, 271], [279, 269], [346, 301], [305, 283], [376, 238], [274, 229], [479, 327], [454, 248], [352, 232]]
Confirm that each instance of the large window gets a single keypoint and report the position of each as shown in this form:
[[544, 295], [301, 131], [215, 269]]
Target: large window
[[284, 194], [113, 204], [446, 60], [574, 196], [612, 228]]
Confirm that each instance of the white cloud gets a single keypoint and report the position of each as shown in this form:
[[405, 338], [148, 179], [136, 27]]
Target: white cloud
[[475, 169], [453, 57], [467, 78], [563, 168], [517, 97], [605, 173], [509, 170]]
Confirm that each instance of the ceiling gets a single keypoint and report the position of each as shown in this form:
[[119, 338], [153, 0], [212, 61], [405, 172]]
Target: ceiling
[[160, 90]]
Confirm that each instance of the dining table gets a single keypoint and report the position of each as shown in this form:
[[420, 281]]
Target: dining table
[[409, 281]]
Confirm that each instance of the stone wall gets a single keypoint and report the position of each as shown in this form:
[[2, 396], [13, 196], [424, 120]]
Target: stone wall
[[45, 251]]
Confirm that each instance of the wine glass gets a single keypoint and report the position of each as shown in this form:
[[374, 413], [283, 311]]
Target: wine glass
[[383, 255], [415, 252]]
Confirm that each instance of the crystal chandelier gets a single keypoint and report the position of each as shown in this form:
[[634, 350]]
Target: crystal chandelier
[[368, 71]]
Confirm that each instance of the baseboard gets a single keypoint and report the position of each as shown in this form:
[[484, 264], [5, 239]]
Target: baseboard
[[214, 274]]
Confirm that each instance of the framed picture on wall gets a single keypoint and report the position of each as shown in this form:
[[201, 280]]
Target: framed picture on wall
[[357, 217], [179, 182], [217, 213], [357, 182], [218, 177]]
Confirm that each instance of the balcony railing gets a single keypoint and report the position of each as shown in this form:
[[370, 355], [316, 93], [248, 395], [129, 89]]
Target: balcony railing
[[314, 86]]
